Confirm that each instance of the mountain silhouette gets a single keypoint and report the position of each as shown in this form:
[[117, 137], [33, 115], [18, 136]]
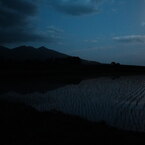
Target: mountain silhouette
[[24, 53], [37, 61], [29, 53]]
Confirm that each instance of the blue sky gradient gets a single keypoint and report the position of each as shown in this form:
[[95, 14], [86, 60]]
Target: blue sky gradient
[[100, 30]]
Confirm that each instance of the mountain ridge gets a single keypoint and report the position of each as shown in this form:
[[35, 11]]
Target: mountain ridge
[[23, 53], [29, 53]]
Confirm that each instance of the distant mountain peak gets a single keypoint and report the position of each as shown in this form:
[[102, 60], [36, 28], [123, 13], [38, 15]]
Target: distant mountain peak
[[42, 47], [29, 53], [42, 53]]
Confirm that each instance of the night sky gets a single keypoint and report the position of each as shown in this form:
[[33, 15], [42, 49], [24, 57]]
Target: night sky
[[101, 30]]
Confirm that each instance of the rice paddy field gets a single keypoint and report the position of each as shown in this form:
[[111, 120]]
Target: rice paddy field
[[119, 102]]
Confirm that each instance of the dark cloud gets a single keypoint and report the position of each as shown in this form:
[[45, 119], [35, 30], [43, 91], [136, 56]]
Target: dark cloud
[[16, 36], [130, 39], [16, 19], [20, 6], [76, 7], [15, 22]]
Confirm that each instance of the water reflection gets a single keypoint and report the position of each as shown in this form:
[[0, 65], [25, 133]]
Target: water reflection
[[120, 102]]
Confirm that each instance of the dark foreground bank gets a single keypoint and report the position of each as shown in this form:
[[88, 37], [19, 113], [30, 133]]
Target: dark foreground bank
[[23, 125]]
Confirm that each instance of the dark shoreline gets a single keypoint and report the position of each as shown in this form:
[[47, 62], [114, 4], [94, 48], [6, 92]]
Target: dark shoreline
[[23, 125], [67, 71], [25, 83]]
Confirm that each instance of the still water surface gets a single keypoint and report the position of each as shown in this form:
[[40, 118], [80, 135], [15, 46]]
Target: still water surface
[[119, 102]]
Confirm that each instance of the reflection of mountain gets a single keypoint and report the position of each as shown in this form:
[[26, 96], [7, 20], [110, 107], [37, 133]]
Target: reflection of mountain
[[32, 85]]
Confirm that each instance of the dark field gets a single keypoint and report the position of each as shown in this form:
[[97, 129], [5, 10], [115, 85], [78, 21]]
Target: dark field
[[24, 86], [22, 125]]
